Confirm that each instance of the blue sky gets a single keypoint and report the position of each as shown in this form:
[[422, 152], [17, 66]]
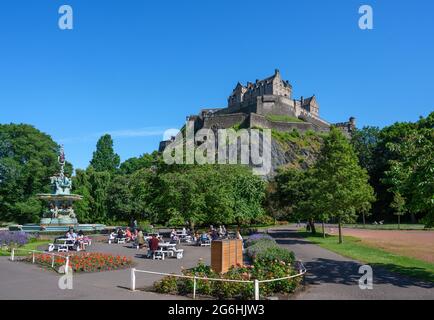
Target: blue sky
[[136, 68]]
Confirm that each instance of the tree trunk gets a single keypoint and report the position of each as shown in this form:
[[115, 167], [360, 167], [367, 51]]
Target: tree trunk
[[399, 222], [413, 218], [364, 222], [312, 226], [323, 229], [341, 238]]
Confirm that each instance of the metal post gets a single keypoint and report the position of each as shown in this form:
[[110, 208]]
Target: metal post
[[256, 289], [33, 256], [13, 254], [67, 265], [52, 261], [194, 287], [133, 279]]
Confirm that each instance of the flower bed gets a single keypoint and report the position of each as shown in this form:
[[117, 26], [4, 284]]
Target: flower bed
[[269, 261], [84, 262]]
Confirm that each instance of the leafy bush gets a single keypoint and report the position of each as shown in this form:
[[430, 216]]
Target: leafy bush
[[254, 238], [276, 254], [13, 238], [259, 246]]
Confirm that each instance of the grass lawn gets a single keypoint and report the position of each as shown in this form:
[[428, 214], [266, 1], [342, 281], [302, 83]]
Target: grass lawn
[[353, 248], [392, 226], [29, 246]]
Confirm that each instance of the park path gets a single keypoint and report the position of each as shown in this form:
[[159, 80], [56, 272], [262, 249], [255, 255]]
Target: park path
[[332, 276], [19, 280]]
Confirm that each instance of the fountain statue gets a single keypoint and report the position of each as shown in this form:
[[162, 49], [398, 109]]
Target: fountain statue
[[60, 210], [59, 216]]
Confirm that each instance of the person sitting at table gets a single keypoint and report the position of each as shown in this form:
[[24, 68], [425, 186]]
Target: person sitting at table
[[80, 239], [184, 231], [121, 234], [128, 235], [214, 235], [153, 246], [204, 238], [72, 237]]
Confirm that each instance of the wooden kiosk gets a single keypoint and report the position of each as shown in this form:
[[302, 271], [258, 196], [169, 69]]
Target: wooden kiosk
[[226, 253]]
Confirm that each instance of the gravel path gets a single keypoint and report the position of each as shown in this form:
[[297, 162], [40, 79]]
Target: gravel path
[[332, 276]]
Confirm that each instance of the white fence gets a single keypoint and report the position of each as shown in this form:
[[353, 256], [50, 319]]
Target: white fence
[[256, 282], [33, 252]]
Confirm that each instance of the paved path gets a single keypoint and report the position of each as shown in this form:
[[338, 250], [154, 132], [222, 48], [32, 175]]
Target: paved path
[[20, 280], [332, 276]]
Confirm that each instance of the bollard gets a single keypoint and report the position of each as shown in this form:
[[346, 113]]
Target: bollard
[[67, 265], [194, 287], [133, 279], [256, 289], [33, 256], [52, 261], [13, 254]]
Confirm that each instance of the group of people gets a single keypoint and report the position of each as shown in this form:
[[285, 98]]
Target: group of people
[[79, 240], [213, 234]]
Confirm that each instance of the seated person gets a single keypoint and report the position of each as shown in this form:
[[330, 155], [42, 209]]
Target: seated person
[[214, 235], [153, 245], [204, 237], [128, 235], [120, 234], [72, 237], [80, 239]]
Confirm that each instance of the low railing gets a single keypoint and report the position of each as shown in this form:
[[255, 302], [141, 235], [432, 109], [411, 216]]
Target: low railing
[[33, 252], [256, 282]]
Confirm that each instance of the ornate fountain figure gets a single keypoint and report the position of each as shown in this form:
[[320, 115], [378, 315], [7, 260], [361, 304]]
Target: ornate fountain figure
[[60, 207]]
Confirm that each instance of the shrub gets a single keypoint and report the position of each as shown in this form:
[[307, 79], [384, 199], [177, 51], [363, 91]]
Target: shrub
[[13, 238], [254, 238], [167, 285], [276, 253], [260, 246]]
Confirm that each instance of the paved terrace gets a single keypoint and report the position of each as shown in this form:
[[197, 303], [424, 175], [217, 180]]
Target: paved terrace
[[330, 276]]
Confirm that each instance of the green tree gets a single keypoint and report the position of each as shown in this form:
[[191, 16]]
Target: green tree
[[398, 204], [341, 185], [104, 158], [411, 171], [28, 158]]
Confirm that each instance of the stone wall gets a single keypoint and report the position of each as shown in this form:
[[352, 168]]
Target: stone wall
[[257, 120], [224, 120]]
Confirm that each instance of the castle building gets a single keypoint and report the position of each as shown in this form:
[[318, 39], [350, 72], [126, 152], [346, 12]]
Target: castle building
[[267, 103]]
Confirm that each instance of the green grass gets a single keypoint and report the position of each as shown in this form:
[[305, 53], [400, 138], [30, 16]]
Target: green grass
[[282, 118], [404, 226], [353, 248], [29, 246]]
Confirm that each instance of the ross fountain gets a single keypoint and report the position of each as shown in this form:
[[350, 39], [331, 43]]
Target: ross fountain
[[60, 215]]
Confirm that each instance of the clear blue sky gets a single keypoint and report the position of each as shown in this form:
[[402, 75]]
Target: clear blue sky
[[136, 68]]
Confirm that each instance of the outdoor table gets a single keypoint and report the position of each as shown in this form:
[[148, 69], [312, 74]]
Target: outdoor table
[[166, 248], [64, 243]]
